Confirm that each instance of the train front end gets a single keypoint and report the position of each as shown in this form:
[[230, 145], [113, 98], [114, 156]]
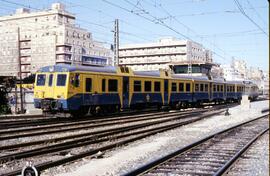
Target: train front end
[[51, 89]]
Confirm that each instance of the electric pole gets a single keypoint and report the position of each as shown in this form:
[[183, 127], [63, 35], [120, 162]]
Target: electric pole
[[20, 70], [116, 42]]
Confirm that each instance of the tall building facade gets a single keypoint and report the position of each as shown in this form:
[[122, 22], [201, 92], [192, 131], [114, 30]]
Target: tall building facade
[[36, 39], [161, 54]]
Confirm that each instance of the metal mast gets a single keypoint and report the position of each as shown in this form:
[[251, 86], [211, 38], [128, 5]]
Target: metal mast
[[20, 70], [116, 42]]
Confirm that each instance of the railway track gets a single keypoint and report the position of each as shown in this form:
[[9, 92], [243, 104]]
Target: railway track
[[212, 155], [10, 122], [106, 140], [90, 124], [35, 120], [69, 126], [255, 161]]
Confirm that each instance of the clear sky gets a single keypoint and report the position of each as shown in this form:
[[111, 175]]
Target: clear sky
[[230, 28]]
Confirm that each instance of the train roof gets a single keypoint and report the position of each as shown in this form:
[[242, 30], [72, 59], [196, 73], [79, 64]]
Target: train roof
[[196, 78], [235, 82], [218, 80], [72, 68], [155, 73]]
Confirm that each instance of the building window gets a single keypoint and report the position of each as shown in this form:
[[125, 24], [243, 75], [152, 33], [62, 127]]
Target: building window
[[147, 86], [137, 86]]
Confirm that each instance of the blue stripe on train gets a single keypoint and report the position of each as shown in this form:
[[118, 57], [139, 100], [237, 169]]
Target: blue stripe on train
[[176, 97], [200, 96], [218, 96], [138, 98], [78, 100]]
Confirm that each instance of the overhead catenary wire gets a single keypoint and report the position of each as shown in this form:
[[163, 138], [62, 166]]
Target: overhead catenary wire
[[258, 15], [239, 6]]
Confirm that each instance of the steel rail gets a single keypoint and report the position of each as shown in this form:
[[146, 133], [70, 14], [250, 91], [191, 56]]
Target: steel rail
[[153, 164], [138, 136], [80, 141], [86, 126]]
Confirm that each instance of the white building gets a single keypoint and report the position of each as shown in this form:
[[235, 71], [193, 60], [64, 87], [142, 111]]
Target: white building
[[45, 38], [161, 54], [241, 67], [231, 74]]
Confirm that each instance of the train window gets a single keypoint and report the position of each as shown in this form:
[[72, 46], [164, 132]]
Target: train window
[[196, 87], [88, 85], [61, 79], [221, 88], [181, 87], [206, 87], [103, 85], [157, 86], [147, 86], [233, 88], [218, 88], [112, 85], [214, 88], [228, 88], [41, 78], [174, 87], [187, 87], [50, 80], [137, 86], [76, 81], [122, 69], [201, 87]]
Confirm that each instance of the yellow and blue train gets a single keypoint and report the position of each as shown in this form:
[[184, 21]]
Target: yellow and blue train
[[84, 89]]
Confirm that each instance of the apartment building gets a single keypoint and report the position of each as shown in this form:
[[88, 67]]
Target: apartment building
[[48, 37], [162, 54]]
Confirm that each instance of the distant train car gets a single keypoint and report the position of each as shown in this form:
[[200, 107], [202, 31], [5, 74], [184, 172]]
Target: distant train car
[[251, 89], [234, 90], [180, 91], [218, 90]]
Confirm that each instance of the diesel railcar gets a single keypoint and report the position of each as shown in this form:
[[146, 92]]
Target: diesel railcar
[[80, 90]]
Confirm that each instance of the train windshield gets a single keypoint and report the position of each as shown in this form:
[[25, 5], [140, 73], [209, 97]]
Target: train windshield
[[41, 78], [61, 79]]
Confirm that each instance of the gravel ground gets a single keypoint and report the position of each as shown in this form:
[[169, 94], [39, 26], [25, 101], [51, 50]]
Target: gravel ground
[[255, 162], [126, 158]]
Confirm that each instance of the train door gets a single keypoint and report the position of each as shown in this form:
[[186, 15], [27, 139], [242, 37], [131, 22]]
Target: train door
[[166, 91], [211, 91], [51, 85], [125, 92]]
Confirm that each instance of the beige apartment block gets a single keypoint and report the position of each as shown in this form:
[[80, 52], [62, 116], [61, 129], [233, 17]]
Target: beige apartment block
[[161, 54], [44, 38]]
